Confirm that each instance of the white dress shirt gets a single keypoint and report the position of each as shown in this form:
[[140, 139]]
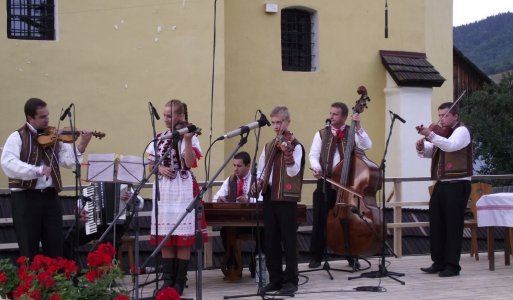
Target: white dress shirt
[[362, 141], [13, 167], [225, 188]]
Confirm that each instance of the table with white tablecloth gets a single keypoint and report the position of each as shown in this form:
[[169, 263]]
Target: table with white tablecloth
[[496, 210]]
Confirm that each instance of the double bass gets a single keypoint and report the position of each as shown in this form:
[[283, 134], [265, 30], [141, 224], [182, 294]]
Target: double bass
[[354, 223]]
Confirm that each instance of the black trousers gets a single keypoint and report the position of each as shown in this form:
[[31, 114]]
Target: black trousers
[[447, 208], [321, 206], [280, 225], [37, 217]]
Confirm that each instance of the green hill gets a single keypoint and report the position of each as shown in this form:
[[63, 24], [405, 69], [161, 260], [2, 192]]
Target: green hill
[[488, 43]]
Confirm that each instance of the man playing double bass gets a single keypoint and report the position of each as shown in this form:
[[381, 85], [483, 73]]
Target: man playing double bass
[[326, 152], [451, 167]]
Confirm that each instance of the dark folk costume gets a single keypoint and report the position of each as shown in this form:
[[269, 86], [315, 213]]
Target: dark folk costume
[[451, 168], [281, 189], [36, 206], [326, 152]]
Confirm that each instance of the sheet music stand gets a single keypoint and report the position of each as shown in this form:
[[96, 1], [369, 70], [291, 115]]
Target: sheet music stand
[[111, 168], [123, 169], [101, 167]]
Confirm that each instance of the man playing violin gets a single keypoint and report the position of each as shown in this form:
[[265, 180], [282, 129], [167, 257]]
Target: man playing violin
[[326, 152], [35, 181], [451, 167], [280, 177]]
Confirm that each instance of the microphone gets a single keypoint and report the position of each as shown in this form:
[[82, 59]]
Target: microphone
[[246, 128], [154, 111], [397, 116], [328, 123], [264, 118], [66, 112], [177, 133]]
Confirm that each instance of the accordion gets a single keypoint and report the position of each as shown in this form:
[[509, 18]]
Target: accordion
[[103, 204]]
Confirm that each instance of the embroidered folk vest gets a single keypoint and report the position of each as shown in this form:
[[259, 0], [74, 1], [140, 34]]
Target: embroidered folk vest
[[328, 150], [452, 165], [284, 187], [34, 154], [232, 189]]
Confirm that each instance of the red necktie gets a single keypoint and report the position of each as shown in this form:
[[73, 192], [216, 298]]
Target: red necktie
[[340, 135], [240, 187]]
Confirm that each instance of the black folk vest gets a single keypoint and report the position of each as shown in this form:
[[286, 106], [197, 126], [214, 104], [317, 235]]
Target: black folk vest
[[452, 165], [34, 154], [329, 147], [284, 187]]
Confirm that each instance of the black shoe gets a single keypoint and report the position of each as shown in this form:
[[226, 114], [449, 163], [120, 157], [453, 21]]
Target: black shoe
[[449, 272], [354, 263], [288, 289], [270, 287], [314, 264], [431, 270]]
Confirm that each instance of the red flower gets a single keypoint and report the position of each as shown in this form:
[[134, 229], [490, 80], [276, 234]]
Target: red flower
[[107, 248], [55, 297], [36, 295], [3, 278], [98, 259], [46, 279], [167, 294], [120, 297], [21, 260], [93, 274]]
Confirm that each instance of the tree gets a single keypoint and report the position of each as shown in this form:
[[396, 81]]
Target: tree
[[488, 113]]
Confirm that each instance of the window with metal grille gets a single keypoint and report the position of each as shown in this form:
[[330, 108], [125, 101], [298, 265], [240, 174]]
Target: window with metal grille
[[31, 19], [296, 40]]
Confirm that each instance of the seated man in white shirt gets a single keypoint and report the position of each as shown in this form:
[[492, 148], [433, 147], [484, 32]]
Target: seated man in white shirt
[[236, 188]]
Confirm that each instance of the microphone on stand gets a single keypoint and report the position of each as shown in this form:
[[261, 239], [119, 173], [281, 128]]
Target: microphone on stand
[[396, 116], [66, 112], [154, 111], [177, 133], [246, 128], [328, 123], [262, 116]]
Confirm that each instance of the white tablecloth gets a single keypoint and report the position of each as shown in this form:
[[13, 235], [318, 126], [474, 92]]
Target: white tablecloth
[[495, 210]]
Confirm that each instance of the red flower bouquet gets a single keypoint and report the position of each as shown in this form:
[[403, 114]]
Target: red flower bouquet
[[56, 279]]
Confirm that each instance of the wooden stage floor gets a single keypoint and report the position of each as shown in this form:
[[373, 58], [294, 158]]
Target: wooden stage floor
[[475, 282]]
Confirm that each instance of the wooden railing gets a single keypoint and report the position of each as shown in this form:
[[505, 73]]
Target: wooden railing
[[397, 225], [394, 200]]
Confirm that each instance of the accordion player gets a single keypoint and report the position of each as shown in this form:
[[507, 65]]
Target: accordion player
[[100, 204]]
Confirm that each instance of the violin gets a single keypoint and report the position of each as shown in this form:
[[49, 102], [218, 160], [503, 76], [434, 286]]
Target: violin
[[437, 129], [283, 141], [182, 124], [50, 135]]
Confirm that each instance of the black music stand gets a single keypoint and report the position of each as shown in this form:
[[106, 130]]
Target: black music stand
[[382, 271]]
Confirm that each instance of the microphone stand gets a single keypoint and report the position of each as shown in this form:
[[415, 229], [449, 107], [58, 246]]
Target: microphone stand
[[78, 191], [259, 244], [156, 197], [195, 203], [382, 272]]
